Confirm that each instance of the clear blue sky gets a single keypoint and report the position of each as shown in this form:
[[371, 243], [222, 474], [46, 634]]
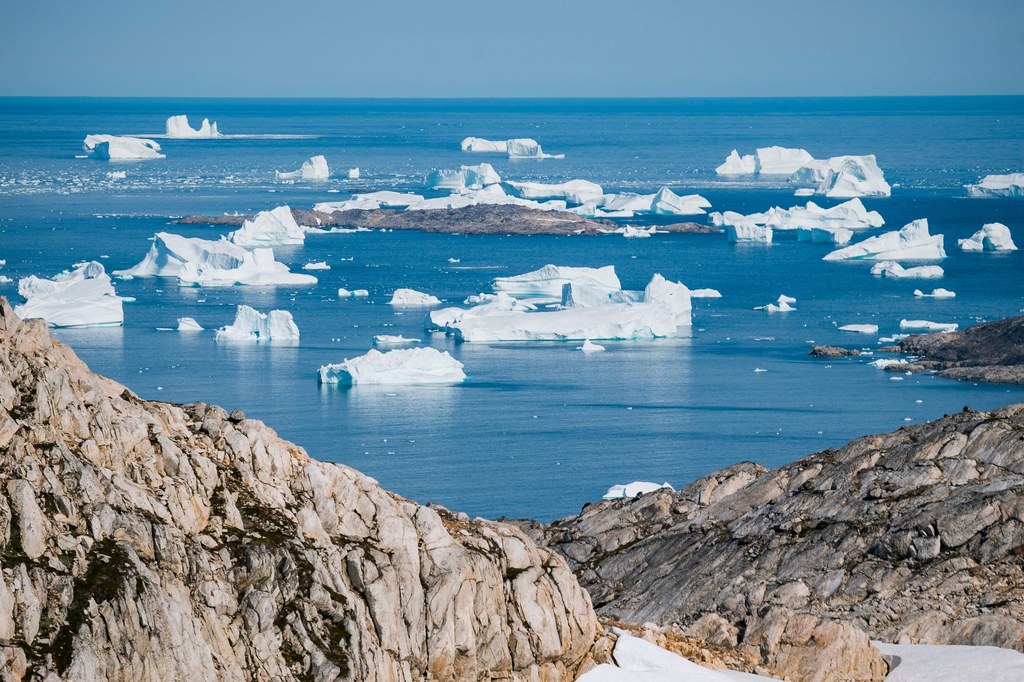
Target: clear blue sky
[[520, 48]]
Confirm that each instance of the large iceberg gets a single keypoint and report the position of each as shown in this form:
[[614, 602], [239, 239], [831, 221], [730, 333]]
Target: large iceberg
[[83, 297], [467, 177], [855, 176], [738, 165], [991, 237], [626, 204], [550, 280], [269, 228], [850, 215], [748, 232], [890, 268], [314, 168], [122, 148], [402, 366], [519, 148], [573, 191], [911, 242], [622, 490], [178, 128], [1011, 185], [765, 161], [479, 144], [252, 325], [410, 298], [204, 262]]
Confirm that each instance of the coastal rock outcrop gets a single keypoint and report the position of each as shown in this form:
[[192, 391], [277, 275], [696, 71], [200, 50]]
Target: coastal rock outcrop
[[149, 541], [992, 352]]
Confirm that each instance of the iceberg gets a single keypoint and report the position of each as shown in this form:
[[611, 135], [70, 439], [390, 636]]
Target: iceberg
[[314, 168], [252, 325], [117, 175], [927, 326], [353, 174], [890, 268], [851, 215], [991, 237], [840, 236], [911, 242], [1011, 185], [634, 232], [467, 177], [783, 305], [403, 366], [479, 144], [188, 324], [525, 148], [589, 347], [885, 363], [748, 232], [626, 204], [269, 228], [179, 129], [121, 148], [573, 191], [705, 293], [765, 161], [358, 293], [549, 281], [860, 328], [318, 265], [936, 293], [855, 176], [410, 298], [391, 340], [83, 297], [667, 202], [738, 165], [617, 492]]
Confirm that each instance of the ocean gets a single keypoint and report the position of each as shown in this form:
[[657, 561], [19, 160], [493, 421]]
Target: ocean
[[538, 429]]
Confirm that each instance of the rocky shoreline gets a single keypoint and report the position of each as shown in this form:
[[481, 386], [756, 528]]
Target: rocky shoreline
[[991, 352], [480, 219]]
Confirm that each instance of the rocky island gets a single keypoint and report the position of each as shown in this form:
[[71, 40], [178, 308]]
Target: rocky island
[[991, 352]]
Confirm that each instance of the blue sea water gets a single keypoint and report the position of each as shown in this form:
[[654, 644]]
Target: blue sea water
[[538, 429]]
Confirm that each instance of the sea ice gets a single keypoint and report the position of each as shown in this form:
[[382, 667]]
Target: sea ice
[[314, 168], [617, 492], [936, 293], [549, 281], [928, 326], [890, 268], [748, 232], [82, 297], [860, 328], [410, 298], [403, 366], [178, 128], [121, 148], [991, 237], [269, 228], [1011, 185], [188, 324], [252, 325], [911, 242]]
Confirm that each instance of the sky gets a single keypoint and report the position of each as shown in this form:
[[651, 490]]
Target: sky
[[525, 48]]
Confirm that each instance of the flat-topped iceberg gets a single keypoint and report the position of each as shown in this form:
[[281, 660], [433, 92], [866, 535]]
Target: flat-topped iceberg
[[518, 148], [122, 148], [765, 161], [188, 324], [82, 297], [313, 168], [991, 237], [317, 265], [252, 325], [928, 326], [178, 128], [860, 328], [392, 340], [911, 242], [850, 215], [936, 293], [466, 177], [573, 191], [890, 268], [549, 281], [1010, 185], [410, 298], [269, 228], [618, 492], [402, 366], [479, 144], [748, 232]]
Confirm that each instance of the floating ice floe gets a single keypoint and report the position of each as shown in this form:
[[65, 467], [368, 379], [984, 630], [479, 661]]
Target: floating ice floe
[[358, 293], [765, 161], [467, 177], [410, 298], [911, 242], [117, 175], [748, 232], [622, 490], [403, 366], [519, 148], [188, 324], [391, 340], [1011, 185], [318, 265], [928, 326], [936, 293], [991, 237], [783, 305], [574, 191], [82, 297], [179, 129], [269, 228], [589, 347], [252, 325], [890, 268], [122, 148], [204, 262], [548, 281], [860, 328], [314, 168]]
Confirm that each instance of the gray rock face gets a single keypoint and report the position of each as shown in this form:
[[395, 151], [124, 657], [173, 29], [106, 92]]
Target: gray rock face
[[833, 352], [992, 352], [148, 541], [913, 536]]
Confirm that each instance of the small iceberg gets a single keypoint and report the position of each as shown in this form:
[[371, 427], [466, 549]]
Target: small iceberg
[[188, 324], [117, 175], [353, 174], [765, 161], [410, 298], [269, 228], [851, 215], [634, 232], [403, 366], [618, 492], [853, 176], [82, 297], [705, 293], [178, 128], [911, 242], [890, 268], [358, 293], [748, 233], [318, 265], [573, 191], [1011, 185], [991, 237], [936, 293], [589, 347], [390, 340], [886, 363], [122, 148], [314, 168], [252, 325], [928, 326], [782, 305], [467, 177], [860, 328]]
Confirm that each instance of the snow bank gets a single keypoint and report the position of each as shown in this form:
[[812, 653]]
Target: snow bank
[[936, 293], [82, 297], [617, 492], [991, 237], [188, 324], [860, 328], [890, 268], [314, 168], [549, 281], [269, 228], [479, 144], [467, 177], [404, 366], [928, 326], [120, 148], [748, 232], [410, 298], [252, 325], [911, 242], [951, 663], [179, 129], [573, 191], [1011, 185]]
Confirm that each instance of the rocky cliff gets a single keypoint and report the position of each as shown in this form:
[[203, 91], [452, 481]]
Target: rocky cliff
[[914, 536], [149, 541], [992, 352]]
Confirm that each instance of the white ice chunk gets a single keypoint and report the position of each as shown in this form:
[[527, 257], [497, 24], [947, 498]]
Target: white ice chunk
[[403, 366], [991, 237], [178, 128], [269, 228], [120, 148], [705, 293], [358, 293], [887, 362], [314, 168], [936, 293], [860, 328], [890, 268], [928, 326], [951, 663], [410, 298], [479, 144], [748, 232], [634, 232], [856, 176], [525, 148], [738, 165], [82, 297], [911, 242], [573, 191], [392, 340], [188, 324], [617, 492], [850, 214], [667, 202], [549, 280], [252, 325], [780, 160], [589, 347], [1011, 185], [840, 236], [318, 265], [117, 175], [783, 305], [467, 177], [353, 174]]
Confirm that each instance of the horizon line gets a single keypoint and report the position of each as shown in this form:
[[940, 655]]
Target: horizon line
[[521, 97]]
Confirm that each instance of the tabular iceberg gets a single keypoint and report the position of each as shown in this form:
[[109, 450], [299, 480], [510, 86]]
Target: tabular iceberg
[[403, 366], [860, 328], [318, 265], [617, 492], [748, 232], [252, 325], [573, 191], [83, 297], [1011, 185], [519, 148], [991, 237], [765, 161], [314, 168], [392, 340], [936, 293], [928, 326], [467, 177], [179, 129], [410, 298], [850, 215], [549, 281], [890, 268], [479, 144], [122, 148], [269, 228], [911, 242]]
